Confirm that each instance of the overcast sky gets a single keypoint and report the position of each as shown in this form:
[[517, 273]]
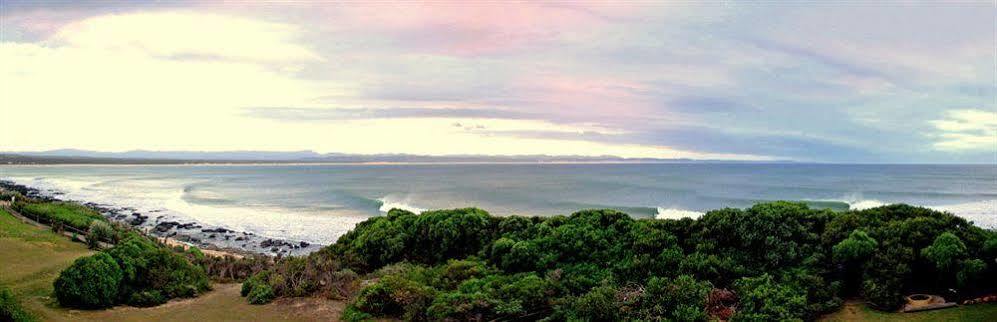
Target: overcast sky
[[843, 82]]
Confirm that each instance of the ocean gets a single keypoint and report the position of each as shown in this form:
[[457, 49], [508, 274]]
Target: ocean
[[318, 203]]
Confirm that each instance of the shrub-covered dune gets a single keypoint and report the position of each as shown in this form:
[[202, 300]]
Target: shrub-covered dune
[[136, 272], [773, 261]]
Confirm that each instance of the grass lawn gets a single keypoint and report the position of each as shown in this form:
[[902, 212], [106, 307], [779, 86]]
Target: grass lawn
[[32, 259], [34, 256], [854, 311]]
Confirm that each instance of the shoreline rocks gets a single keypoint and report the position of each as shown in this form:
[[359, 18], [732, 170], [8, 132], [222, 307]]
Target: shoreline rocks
[[193, 232]]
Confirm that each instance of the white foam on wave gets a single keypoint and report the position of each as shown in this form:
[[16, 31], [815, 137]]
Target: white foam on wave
[[856, 202], [673, 213], [390, 202], [865, 204], [982, 213], [164, 197], [314, 227]]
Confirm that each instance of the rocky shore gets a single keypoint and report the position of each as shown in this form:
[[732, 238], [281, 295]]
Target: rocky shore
[[158, 223]]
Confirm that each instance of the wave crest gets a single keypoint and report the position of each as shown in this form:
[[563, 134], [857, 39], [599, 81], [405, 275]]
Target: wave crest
[[388, 203], [673, 213]]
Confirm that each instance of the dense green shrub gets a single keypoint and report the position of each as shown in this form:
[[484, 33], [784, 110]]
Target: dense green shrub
[[395, 295], [679, 299], [100, 231], [10, 308], [886, 275], [261, 294], [136, 271], [90, 282], [148, 266], [970, 273], [858, 247], [773, 261], [195, 253], [945, 252], [763, 299], [598, 304], [146, 298]]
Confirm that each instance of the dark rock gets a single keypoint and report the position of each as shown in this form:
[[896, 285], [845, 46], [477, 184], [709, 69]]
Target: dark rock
[[166, 226], [303, 244], [136, 221]]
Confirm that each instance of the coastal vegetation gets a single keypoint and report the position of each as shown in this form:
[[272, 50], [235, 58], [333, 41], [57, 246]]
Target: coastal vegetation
[[10, 308], [773, 261], [34, 256], [60, 213], [136, 271], [133, 269]]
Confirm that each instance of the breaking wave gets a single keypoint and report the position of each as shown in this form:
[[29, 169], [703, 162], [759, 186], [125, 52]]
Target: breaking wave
[[672, 213], [389, 202]]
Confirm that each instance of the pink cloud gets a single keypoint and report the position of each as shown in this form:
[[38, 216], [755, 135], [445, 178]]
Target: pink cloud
[[473, 28], [40, 23], [588, 95]]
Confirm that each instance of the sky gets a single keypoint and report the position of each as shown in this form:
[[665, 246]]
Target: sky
[[845, 81]]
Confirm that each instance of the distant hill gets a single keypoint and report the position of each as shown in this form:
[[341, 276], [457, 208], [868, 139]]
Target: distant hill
[[73, 156]]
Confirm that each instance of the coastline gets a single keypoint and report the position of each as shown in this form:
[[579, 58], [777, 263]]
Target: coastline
[[174, 231]]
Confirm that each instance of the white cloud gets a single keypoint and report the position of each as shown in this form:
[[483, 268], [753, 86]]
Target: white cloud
[[172, 34], [967, 129], [180, 81]]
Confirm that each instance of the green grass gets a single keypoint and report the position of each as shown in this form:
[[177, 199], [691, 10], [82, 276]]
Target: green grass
[[67, 213], [10, 308], [967, 313], [32, 259]]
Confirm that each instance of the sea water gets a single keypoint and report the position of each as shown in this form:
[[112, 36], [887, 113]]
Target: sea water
[[318, 203]]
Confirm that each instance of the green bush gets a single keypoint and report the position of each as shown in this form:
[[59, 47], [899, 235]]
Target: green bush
[[681, 299], [886, 275], [352, 314], [146, 298], [100, 231], [195, 253], [136, 271], [763, 299], [970, 273], [147, 267], [261, 294], [945, 251], [258, 290], [857, 247], [599, 304], [395, 295], [783, 261], [92, 282], [10, 308], [254, 281]]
